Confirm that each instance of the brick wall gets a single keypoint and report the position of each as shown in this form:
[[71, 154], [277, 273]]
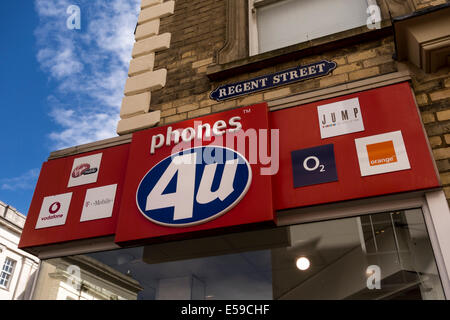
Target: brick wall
[[433, 98], [198, 30], [186, 94]]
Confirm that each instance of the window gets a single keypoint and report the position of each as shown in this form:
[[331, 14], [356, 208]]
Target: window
[[279, 23], [7, 273], [385, 255]]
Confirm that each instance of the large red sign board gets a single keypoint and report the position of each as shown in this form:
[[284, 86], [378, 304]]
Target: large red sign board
[[64, 192], [255, 206], [383, 110], [365, 144]]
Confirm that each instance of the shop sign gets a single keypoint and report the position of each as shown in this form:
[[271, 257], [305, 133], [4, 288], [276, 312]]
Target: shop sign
[[207, 175], [388, 153], [76, 198], [202, 174], [274, 80], [198, 175]]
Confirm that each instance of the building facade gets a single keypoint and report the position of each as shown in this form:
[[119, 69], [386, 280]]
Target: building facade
[[364, 216], [18, 268], [83, 278]]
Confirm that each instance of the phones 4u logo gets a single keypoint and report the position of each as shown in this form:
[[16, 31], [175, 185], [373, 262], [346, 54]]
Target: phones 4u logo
[[190, 199]]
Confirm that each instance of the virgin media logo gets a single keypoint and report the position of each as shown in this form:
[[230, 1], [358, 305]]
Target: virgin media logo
[[83, 169]]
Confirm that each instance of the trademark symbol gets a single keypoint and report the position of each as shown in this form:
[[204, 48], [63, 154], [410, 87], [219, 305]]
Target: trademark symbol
[[247, 111]]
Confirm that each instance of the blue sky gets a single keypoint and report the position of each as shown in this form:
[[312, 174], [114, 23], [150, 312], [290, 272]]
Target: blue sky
[[59, 87]]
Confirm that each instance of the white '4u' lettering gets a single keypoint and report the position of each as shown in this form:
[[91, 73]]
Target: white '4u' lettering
[[182, 200]]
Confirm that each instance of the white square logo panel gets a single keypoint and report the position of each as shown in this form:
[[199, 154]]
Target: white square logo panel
[[338, 118], [85, 170], [54, 211], [99, 203], [382, 153]]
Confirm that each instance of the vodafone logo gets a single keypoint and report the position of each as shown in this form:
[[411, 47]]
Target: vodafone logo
[[54, 211]]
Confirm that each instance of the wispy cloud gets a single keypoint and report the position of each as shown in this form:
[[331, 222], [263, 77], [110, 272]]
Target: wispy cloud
[[88, 67], [25, 181]]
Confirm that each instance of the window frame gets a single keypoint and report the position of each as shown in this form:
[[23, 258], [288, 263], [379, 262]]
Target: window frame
[[433, 204], [9, 274], [253, 38]]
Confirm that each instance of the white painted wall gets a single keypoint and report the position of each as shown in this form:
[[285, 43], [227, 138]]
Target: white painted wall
[[26, 267]]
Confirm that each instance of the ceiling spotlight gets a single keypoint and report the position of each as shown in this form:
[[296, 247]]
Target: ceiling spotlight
[[303, 263]]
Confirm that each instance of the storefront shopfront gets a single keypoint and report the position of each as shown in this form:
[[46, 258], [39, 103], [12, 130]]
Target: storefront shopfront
[[261, 265], [333, 198]]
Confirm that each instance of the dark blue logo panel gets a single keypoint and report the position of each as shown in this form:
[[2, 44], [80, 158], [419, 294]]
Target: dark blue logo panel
[[194, 186], [314, 166]]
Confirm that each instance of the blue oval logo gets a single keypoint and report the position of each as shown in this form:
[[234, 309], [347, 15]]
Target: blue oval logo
[[194, 186]]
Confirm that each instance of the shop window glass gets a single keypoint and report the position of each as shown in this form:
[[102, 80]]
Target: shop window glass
[[379, 256]]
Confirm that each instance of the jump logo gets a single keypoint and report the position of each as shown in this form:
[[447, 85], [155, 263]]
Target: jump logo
[[194, 186]]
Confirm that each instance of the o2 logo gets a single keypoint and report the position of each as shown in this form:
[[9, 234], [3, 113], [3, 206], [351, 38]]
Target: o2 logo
[[194, 186], [314, 166]]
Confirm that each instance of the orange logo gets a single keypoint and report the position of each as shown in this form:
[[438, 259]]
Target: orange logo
[[381, 153]]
